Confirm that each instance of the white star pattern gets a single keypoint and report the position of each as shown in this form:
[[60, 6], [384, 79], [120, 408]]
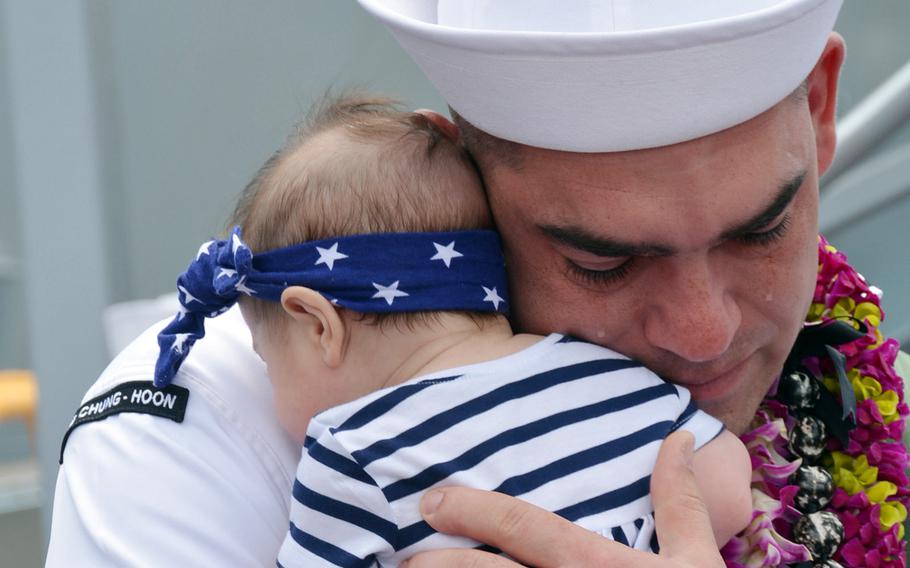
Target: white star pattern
[[329, 256], [187, 297], [242, 288], [179, 342], [446, 253], [227, 273], [492, 296], [390, 292], [204, 249], [236, 243]]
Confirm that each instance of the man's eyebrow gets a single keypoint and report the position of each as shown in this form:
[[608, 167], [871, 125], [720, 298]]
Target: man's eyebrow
[[580, 239], [783, 199], [583, 240]]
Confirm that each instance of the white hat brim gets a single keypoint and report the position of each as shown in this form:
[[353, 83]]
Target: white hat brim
[[615, 91]]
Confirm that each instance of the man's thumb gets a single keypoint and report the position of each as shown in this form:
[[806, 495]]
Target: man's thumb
[[683, 525]]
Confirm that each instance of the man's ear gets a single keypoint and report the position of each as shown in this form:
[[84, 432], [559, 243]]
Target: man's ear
[[324, 326], [822, 95], [441, 123]]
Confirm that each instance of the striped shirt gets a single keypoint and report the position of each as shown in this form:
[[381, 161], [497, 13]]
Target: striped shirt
[[570, 426]]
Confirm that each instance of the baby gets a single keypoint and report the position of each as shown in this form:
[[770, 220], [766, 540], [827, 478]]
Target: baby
[[369, 274]]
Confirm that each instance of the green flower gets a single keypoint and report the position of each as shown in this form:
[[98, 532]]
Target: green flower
[[892, 513], [881, 491], [864, 386], [853, 474]]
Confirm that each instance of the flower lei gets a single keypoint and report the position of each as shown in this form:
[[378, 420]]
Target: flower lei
[[871, 493]]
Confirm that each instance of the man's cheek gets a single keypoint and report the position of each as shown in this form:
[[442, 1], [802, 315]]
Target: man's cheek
[[544, 301], [785, 281]]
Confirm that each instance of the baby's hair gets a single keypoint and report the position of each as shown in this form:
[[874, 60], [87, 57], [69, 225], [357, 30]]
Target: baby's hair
[[358, 164]]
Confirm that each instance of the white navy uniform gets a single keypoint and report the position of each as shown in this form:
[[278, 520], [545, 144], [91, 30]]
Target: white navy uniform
[[572, 427], [136, 489]]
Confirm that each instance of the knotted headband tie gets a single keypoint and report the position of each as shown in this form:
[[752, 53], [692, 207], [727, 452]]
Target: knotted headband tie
[[375, 273]]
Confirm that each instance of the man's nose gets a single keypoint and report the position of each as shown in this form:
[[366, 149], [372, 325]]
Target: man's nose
[[692, 315]]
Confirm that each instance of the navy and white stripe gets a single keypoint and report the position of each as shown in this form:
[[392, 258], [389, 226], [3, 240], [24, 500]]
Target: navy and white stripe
[[570, 426]]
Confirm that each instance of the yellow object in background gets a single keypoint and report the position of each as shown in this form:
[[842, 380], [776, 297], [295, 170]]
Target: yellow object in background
[[19, 398]]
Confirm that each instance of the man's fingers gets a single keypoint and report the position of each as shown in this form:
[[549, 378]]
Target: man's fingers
[[542, 539], [683, 525], [527, 533]]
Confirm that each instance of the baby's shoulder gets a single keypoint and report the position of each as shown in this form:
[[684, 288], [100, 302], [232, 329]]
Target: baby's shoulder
[[571, 347]]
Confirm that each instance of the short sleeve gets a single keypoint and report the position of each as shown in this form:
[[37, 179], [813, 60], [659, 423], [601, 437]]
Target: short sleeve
[[701, 424], [339, 516]]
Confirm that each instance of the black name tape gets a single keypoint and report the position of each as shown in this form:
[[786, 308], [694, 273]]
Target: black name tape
[[135, 396]]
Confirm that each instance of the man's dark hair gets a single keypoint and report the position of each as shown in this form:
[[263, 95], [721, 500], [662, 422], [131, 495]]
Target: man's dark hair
[[488, 151]]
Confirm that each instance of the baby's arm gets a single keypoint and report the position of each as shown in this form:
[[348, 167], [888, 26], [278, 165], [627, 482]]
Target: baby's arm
[[339, 517], [723, 472]]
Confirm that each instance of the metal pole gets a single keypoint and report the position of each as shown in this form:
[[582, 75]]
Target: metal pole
[[871, 186], [875, 118]]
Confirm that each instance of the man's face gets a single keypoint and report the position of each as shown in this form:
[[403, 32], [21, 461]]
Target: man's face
[[697, 259]]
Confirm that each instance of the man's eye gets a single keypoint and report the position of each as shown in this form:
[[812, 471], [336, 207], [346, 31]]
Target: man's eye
[[605, 276], [763, 238]]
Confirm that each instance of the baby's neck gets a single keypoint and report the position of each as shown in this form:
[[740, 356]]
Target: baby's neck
[[455, 341]]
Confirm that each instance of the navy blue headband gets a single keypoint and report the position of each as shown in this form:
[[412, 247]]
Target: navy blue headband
[[376, 273]]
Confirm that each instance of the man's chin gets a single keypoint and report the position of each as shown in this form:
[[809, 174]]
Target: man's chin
[[737, 406], [736, 418]]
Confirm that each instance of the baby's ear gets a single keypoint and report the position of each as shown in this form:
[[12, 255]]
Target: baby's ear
[[323, 325]]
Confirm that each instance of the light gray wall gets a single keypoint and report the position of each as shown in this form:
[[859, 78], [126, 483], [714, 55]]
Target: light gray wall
[[12, 317], [205, 91], [63, 245], [878, 43]]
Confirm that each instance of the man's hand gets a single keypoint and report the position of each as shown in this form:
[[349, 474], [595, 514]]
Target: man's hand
[[542, 539]]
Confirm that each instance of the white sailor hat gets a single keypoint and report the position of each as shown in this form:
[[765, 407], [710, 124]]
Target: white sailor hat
[[610, 75]]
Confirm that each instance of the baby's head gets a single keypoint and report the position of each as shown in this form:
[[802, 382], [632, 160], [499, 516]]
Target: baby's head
[[356, 166], [359, 165]]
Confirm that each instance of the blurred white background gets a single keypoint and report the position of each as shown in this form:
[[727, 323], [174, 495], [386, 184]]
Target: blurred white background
[[128, 127]]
